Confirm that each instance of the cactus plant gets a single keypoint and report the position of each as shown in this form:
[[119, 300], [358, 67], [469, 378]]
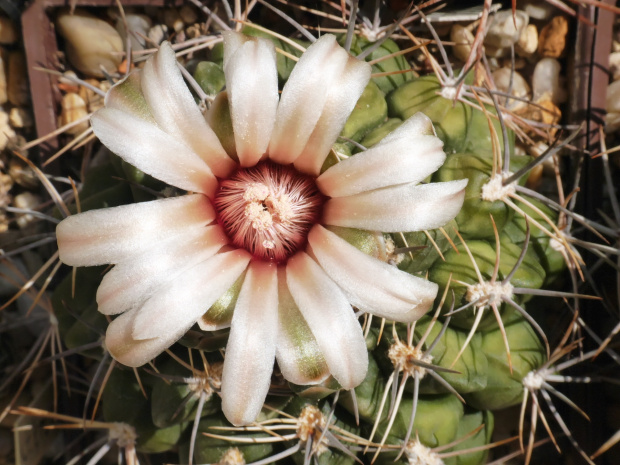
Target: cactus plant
[[339, 260]]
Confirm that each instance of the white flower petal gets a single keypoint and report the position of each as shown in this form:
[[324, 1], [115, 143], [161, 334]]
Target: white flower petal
[[220, 313], [370, 284], [299, 356], [344, 93], [416, 125], [253, 102], [233, 41], [406, 207], [250, 351], [132, 282], [152, 150], [405, 156], [182, 301], [130, 352], [330, 318], [112, 235], [127, 96], [175, 110], [304, 96]]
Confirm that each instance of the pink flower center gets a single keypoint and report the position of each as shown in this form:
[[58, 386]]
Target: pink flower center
[[268, 209]]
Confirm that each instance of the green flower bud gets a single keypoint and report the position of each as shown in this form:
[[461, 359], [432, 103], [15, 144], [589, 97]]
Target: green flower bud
[[503, 387]]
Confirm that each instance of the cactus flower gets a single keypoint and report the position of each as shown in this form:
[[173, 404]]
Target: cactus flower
[[259, 216]]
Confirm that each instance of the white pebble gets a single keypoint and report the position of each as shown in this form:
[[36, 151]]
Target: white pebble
[[502, 32], [518, 88], [547, 80]]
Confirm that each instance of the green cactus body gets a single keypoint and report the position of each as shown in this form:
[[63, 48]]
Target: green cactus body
[[503, 387], [123, 401], [436, 423], [422, 94], [552, 260], [211, 450], [459, 266], [87, 329], [470, 421], [368, 394], [471, 366], [420, 260], [375, 135], [175, 402], [474, 219], [461, 126], [163, 419], [396, 64], [76, 299], [370, 111]]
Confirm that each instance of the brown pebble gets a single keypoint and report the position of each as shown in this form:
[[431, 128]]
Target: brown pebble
[[22, 174], [73, 108], [552, 39], [544, 111]]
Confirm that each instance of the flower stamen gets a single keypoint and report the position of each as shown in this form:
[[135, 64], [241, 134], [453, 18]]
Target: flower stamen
[[268, 209]]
